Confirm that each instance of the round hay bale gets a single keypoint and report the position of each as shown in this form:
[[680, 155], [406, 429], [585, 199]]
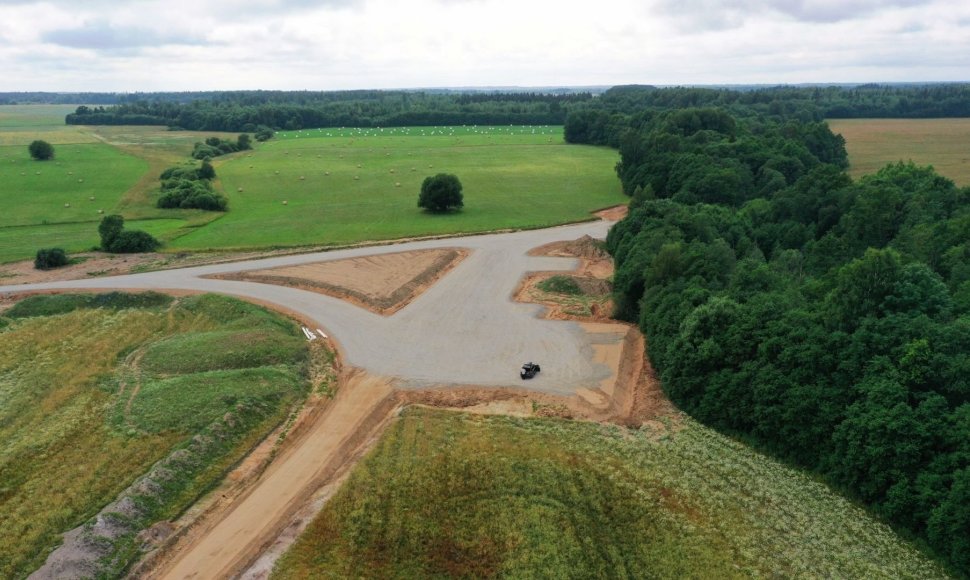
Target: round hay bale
[[302, 178], [91, 198], [392, 171], [277, 172], [356, 177], [397, 184], [67, 205], [37, 173], [284, 202], [100, 211], [358, 166], [80, 181], [326, 173], [239, 189]]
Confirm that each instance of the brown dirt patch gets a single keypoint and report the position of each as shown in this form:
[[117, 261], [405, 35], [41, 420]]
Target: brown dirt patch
[[383, 283], [613, 214]]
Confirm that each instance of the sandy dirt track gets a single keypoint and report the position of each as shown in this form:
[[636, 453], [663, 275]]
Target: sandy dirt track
[[226, 546]]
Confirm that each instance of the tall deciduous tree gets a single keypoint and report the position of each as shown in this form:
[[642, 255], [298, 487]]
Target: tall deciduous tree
[[41, 150], [441, 193]]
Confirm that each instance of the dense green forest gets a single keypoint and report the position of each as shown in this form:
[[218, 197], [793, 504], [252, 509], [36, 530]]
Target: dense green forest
[[823, 320], [602, 121], [596, 119], [248, 110]]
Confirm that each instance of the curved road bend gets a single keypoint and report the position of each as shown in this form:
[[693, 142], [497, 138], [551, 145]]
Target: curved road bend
[[464, 330]]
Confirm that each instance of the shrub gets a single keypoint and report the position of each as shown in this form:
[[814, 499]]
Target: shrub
[[264, 134], [50, 258], [561, 285], [133, 242], [41, 150], [441, 193], [110, 227]]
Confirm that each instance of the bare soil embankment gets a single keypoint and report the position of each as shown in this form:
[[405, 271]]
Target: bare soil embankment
[[383, 284]]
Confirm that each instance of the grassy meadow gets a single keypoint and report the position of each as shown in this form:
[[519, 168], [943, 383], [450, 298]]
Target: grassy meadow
[[350, 186], [95, 389], [942, 143], [455, 495], [340, 185]]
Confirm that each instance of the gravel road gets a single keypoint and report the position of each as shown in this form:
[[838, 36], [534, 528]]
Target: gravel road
[[464, 330]]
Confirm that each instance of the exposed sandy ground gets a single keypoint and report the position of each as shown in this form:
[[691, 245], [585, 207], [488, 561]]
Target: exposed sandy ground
[[229, 540], [383, 283]]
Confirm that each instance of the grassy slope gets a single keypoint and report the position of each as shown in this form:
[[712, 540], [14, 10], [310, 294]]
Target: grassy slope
[[510, 180], [448, 494], [942, 143], [73, 433]]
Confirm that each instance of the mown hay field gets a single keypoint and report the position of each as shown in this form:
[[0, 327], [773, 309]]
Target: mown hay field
[[448, 494], [341, 187], [94, 389], [873, 143]]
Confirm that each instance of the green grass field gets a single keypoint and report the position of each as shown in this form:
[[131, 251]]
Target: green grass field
[[873, 143], [455, 495], [61, 190], [358, 187], [81, 416], [514, 177]]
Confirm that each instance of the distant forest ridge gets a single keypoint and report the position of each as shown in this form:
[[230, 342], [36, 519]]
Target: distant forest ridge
[[290, 110]]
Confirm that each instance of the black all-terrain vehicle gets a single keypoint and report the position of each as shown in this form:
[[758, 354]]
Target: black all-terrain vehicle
[[529, 370]]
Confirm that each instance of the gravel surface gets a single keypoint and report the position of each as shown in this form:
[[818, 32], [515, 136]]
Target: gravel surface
[[464, 330]]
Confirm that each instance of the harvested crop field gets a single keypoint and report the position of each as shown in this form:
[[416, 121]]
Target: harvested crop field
[[873, 143], [382, 283]]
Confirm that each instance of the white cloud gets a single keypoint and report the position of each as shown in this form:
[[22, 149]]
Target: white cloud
[[309, 44]]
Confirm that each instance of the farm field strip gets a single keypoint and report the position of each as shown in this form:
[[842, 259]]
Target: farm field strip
[[345, 190], [942, 143]]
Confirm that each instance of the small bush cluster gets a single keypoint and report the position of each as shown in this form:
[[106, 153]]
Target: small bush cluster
[[190, 188], [116, 239], [214, 146], [50, 258], [263, 134]]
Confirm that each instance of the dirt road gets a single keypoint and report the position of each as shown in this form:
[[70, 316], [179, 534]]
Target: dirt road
[[229, 544]]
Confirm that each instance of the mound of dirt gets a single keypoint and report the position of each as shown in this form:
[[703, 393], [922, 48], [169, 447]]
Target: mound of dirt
[[383, 283], [591, 286], [586, 247]]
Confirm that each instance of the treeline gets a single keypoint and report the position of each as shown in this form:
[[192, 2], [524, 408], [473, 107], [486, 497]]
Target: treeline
[[602, 120], [248, 110], [824, 320]]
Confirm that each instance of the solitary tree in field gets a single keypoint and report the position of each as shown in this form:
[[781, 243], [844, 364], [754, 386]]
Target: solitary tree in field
[[441, 193], [41, 150]]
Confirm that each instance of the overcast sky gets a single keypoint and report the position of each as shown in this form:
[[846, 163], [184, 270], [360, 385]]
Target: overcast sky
[[159, 45]]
